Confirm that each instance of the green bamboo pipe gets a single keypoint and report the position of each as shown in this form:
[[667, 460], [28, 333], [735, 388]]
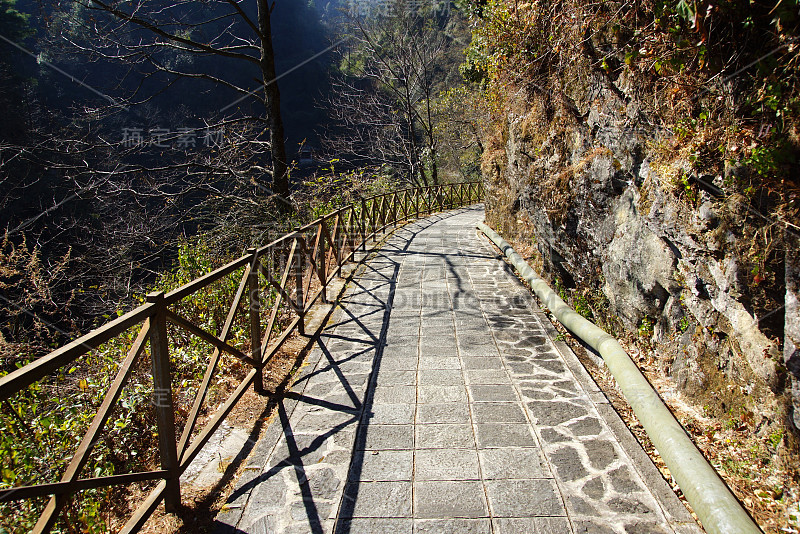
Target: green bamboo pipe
[[712, 500]]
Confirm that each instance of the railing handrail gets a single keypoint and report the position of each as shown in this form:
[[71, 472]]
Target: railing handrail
[[333, 244], [46, 364]]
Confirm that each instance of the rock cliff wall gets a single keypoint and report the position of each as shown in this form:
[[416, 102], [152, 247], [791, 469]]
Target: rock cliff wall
[[705, 280]]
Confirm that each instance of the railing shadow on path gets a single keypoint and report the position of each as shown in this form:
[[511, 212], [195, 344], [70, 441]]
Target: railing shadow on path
[[398, 255], [359, 305]]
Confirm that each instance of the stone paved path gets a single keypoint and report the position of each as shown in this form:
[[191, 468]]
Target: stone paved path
[[439, 400]]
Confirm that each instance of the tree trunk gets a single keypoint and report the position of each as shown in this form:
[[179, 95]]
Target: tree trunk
[[417, 165], [434, 166], [428, 86], [280, 178]]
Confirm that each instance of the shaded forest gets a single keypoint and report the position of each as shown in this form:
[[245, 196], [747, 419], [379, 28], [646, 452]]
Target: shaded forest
[[119, 140]]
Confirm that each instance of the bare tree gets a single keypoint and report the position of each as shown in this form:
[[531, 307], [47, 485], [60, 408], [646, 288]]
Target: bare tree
[[76, 191], [220, 42], [114, 211], [383, 98], [462, 128]]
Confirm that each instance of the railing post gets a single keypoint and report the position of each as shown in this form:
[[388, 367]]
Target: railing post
[[348, 243], [298, 279], [323, 260], [426, 197], [364, 224], [254, 302], [162, 392]]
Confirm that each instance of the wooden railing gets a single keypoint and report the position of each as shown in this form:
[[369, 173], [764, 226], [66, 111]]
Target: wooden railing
[[311, 257]]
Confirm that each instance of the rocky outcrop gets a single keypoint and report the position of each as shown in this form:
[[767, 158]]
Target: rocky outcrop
[[791, 340], [588, 178]]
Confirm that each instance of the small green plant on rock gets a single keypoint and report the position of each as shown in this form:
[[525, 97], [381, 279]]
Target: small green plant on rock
[[646, 327], [775, 438], [582, 306]]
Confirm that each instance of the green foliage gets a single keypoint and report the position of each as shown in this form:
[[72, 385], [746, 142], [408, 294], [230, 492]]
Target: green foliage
[[591, 303], [560, 290], [460, 121], [646, 327], [775, 438], [325, 193], [41, 426], [494, 41], [583, 307], [769, 161], [686, 187], [14, 24], [208, 307]]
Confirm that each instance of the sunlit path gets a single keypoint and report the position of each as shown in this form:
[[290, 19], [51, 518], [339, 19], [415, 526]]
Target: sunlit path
[[439, 401]]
